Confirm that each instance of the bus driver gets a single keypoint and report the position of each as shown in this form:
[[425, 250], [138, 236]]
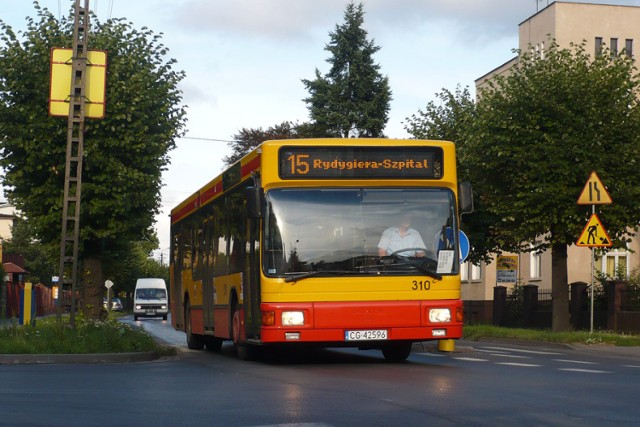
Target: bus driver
[[394, 239]]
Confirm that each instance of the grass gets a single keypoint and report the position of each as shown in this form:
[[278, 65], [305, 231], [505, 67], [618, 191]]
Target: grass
[[48, 336], [477, 332]]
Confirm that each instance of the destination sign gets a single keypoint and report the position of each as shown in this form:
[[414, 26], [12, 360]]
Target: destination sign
[[348, 162]]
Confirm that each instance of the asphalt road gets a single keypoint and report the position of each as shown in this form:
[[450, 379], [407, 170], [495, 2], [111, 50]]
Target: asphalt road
[[481, 384]]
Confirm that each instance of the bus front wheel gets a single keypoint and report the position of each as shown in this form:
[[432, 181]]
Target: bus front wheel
[[245, 351], [397, 352]]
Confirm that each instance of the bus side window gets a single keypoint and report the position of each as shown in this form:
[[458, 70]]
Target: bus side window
[[186, 248]]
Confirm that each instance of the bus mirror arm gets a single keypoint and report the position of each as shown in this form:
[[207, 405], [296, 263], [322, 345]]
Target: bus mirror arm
[[465, 197], [255, 197]]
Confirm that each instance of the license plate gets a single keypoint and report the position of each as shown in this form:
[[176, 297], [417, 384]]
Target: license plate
[[150, 312], [366, 335]]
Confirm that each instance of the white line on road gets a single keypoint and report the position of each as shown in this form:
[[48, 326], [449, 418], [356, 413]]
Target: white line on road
[[524, 365], [575, 361], [471, 359], [525, 351], [586, 371], [481, 350], [513, 356]]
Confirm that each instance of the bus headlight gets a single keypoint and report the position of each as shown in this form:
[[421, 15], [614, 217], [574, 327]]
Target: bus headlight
[[292, 318], [439, 315]]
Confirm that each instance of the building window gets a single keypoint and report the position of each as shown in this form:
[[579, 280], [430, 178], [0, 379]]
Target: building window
[[475, 272], [615, 264], [614, 46], [598, 46], [628, 47], [542, 50], [535, 264], [470, 272]]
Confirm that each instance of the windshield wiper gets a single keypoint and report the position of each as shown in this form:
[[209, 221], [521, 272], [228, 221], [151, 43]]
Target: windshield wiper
[[297, 275], [420, 263]]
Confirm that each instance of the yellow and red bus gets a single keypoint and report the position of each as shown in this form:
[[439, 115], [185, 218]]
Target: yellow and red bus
[[282, 248]]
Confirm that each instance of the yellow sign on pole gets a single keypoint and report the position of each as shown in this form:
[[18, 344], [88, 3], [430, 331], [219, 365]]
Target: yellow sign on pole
[[507, 269], [594, 235], [594, 192], [94, 89]]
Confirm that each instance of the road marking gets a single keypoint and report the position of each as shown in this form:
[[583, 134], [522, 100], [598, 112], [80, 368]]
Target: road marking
[[575, 361], [471, 359], [525, 351], [524, 365], [491, 351], [431, 354], [586, 371], [513, 356]]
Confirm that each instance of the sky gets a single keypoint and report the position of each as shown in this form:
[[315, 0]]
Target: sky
[[244, 61]]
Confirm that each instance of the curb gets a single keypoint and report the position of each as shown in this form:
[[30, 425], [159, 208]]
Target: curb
[[94, 358]]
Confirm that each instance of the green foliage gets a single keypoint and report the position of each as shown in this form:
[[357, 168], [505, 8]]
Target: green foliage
[[531, 143], [131, 262], [248, 139], [448, 119], [124, 153], [39, 260], [541, 131], [479, 332], [452, 118], [353, 98], [47, 336]]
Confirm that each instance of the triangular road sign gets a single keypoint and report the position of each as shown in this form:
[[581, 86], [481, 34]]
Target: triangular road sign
[[594, 192], [594, 235]]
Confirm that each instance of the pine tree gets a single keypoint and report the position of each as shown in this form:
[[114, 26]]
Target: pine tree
[[352, 99]]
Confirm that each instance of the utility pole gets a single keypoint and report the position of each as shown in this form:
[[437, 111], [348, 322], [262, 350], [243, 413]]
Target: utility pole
[[73, 166]]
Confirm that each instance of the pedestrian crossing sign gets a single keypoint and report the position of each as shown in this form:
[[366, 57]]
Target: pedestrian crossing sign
[[594, 235]]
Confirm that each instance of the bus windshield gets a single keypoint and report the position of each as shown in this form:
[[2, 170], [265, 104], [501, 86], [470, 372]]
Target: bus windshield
[[360, 231]]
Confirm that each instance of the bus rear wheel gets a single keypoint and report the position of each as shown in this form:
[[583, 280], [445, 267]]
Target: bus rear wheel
[[397, 352], [194, 341]]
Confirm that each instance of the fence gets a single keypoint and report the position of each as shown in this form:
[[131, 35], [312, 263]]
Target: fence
[[616, 307], [45, 304]]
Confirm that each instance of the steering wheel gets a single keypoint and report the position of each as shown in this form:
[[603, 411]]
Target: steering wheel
[[400, 251]]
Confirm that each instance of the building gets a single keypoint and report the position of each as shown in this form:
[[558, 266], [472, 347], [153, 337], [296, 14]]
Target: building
[[7, 215], [616, 28]]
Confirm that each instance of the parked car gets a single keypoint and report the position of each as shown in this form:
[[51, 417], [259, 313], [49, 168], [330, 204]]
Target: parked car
[[116, 304]]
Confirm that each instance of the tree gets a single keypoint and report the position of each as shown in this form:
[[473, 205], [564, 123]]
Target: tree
[[248, 139], [353, 98], [125, 153], [452, 118], [134, 262], [39, 260], [539, 133]]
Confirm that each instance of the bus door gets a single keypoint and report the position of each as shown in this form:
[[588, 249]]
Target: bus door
[[208, 291], [251, 278], [175, 283]]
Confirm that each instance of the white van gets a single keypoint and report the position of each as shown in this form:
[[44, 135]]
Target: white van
[[150, 299]]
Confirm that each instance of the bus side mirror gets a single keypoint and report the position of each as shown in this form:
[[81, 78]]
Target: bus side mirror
[[465, 197], [254, 196]]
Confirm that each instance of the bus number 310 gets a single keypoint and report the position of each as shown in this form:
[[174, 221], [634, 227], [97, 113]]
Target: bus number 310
[[421, 285]]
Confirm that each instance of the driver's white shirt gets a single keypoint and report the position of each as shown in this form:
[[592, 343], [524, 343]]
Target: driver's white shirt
[[391, 241]]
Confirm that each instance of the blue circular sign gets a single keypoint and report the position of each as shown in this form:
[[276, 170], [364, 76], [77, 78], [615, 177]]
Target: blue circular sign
[[465, 246]]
